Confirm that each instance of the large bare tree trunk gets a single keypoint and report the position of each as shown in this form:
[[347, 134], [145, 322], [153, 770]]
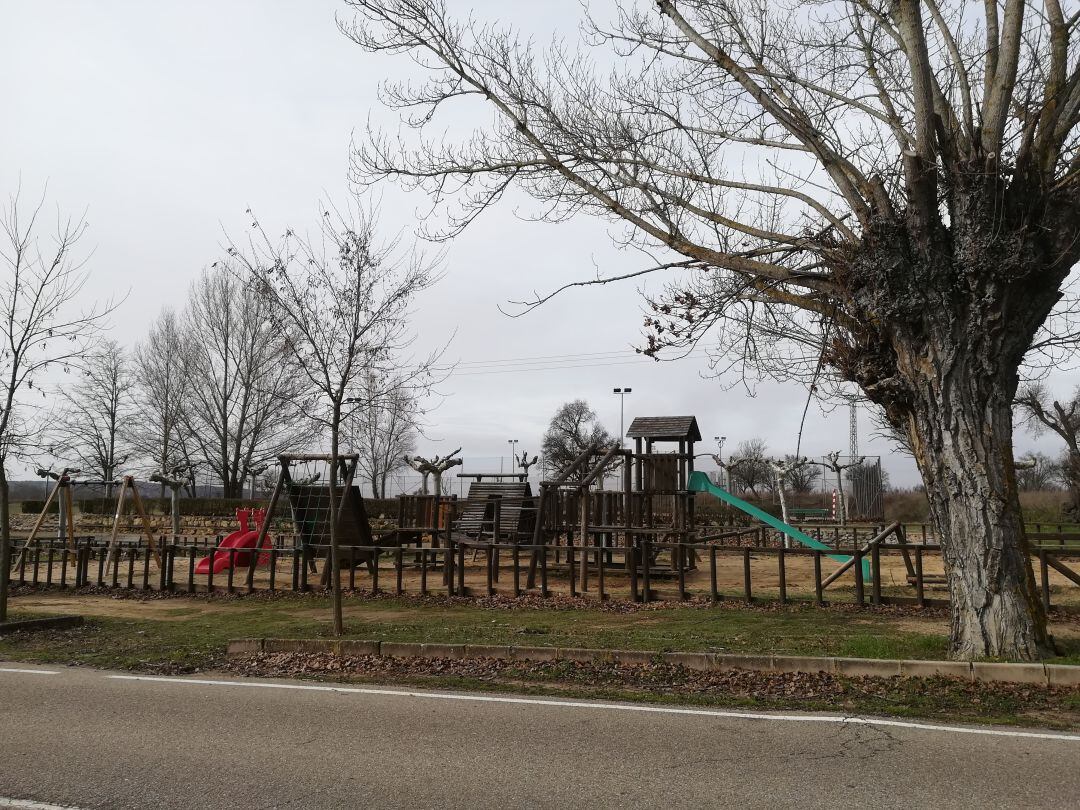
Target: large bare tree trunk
[[961, 429]]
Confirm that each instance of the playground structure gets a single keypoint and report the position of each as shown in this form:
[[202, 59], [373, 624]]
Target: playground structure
[[616, 520]]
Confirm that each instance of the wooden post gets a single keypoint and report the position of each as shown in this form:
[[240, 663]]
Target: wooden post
[[423, 569], [1044, 576], [583, 533], [920, 595], [544, 593], [646, 569], [116, 525], [875, 572], [817, 578], [19, 560], [496, 533], [860, 596], [783, 575], [748, 592], [600, 573], [679, 555], [571, 569], [266, 523], [129, 482], [69, 509], [714, 594]]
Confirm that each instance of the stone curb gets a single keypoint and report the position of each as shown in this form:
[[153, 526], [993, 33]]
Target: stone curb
[[978, 672], [30, 625]]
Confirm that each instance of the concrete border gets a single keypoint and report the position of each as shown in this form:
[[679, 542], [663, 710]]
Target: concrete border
[[33, 625], [978, 672]]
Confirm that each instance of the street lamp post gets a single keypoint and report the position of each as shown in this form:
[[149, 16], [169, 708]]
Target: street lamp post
[[720, 456], [622, 392], [513, 454]]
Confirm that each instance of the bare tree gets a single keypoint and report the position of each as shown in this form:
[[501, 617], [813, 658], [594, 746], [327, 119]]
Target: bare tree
[[436, 467], [572, 429], [802, 478], [525, 462], [41, 327], [93, 425], [241, 394], [838, 468], [344, 301], [885, 189], [1040, 412], [748, 467], [782, 470], [1038, 473], [421, 466], [384, 432], [162, 378]]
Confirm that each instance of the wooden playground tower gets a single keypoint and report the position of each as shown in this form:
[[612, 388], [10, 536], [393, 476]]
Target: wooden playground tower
[[650, 514], [653, 506]]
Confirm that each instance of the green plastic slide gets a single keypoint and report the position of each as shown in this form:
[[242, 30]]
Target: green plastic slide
[[699, 482]]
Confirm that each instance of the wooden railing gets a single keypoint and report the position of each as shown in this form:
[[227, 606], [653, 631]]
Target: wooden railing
[[677, 571]]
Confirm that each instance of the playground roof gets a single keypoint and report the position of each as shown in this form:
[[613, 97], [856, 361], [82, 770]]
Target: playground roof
[[665, 428]]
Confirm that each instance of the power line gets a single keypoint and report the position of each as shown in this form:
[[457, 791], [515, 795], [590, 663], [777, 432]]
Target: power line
[[560, 367]]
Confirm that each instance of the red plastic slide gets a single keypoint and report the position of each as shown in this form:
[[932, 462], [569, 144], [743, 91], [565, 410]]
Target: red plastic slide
[[244, 538]]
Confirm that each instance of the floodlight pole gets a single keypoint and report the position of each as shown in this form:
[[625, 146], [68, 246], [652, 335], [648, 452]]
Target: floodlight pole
[[513, 453], [622, 392]]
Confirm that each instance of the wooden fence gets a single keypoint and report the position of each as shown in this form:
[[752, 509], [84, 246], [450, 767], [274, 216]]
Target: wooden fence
[[909, 574]]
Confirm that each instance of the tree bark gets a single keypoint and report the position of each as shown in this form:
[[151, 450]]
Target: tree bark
[[961, 429]]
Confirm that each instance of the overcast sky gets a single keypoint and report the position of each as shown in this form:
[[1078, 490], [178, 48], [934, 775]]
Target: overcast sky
[[166, 120]]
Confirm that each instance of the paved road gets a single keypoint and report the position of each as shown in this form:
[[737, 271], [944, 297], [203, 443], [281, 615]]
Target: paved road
[[99, 739]]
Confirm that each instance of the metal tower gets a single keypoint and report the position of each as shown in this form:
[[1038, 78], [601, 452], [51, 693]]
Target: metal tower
[[853, 431]]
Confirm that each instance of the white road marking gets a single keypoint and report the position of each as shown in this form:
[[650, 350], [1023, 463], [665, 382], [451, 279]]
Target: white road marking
[[32, 805], [28, 672], [623, 707]]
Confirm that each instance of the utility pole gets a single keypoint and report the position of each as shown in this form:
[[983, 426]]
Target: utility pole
[[853, 426], [720, 456], [622, 392]]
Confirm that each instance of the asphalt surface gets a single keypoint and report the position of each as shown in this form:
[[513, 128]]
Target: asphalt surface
[[90, 739]]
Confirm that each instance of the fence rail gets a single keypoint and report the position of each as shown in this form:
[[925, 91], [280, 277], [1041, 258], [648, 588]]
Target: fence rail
[[653, 570]]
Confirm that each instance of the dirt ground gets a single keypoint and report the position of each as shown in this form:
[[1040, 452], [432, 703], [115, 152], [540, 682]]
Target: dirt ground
[[764, 575]]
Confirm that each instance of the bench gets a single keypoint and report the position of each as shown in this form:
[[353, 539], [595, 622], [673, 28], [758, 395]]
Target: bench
[[811, 514]]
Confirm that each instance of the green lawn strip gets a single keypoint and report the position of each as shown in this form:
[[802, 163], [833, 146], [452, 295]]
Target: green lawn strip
[[187, 636]]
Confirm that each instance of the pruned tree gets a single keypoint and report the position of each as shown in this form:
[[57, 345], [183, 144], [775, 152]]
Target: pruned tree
[[782, 470], [839, 470], [1041, 412], [241, 393], [804, 477], [888, 189], [573, 429], [93, 426], [419, 465], [162, 382], [43, 325], [435, 467], [525, 462], [343, 301], [384, 432]]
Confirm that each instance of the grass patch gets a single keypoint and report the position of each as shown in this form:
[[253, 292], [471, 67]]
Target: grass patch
[[186, 634]]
